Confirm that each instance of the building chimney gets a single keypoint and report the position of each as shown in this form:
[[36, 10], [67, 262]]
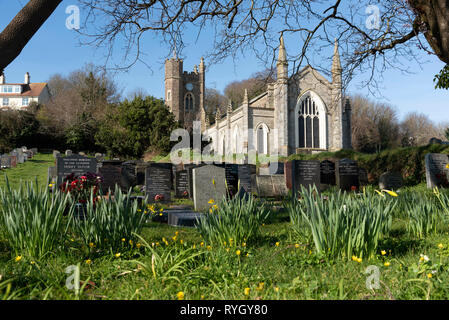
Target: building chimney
[[27, 78], [2, 78]]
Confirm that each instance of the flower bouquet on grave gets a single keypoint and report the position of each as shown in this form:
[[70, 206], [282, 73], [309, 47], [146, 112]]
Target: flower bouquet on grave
[[159, 197], [82, 187]]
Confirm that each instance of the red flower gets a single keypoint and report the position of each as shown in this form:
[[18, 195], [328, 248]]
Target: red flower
[[159, 197], [353, 188]]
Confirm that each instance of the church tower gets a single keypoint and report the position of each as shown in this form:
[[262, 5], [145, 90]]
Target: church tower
[[184, 91]]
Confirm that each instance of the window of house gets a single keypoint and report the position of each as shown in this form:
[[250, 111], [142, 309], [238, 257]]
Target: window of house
[[25, 101], [6, 101]]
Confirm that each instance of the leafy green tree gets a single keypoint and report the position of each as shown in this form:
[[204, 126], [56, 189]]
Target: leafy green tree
[[136, 126], [442, 79], [17, 128]]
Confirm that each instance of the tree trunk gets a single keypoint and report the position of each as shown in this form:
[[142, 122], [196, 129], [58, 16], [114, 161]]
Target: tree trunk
[[22, 28], [435, 15]]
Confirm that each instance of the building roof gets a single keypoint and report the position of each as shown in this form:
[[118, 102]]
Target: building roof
[[28, 90]]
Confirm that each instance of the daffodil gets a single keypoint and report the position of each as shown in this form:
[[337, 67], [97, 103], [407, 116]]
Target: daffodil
[[211, 201], [391, 193], [180, 295]]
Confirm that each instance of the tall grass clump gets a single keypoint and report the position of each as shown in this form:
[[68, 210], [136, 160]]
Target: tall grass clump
[[343, 225], [233, 221], [108, 221], [425, 216], [32, 218]]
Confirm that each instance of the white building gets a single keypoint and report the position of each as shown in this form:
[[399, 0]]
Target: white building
[[18, 96]]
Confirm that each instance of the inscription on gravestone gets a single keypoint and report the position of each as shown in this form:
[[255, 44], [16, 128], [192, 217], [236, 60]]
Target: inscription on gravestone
[[244, 175], [232, 177], [75, 164], [436, 171], [306, 173], [158, 181], [347, 175], [182, 187]]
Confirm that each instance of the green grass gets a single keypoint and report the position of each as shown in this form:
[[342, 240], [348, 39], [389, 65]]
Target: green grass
[[28, 171], [277, 264]]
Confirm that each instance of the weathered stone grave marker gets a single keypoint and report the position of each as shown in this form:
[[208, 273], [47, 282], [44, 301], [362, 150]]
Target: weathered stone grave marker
[[75, 164], [111, 172], [158, 180], [208, 183], [436, 171], [390, 181], [347, 175]]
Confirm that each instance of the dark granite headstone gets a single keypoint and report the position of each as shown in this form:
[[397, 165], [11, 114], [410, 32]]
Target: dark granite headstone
[[305, 173], [436, 171], [244, 176], [347, 175], [327, 172], [111, 172], [390, 181], [363, 176], [182, 187], [232, 177], [76, 164], [158, 181]]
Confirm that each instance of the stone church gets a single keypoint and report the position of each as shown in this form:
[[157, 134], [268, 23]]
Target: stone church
[[303, 113]]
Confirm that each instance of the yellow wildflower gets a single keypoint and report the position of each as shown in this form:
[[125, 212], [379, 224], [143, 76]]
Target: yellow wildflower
[[297, 245], [123, 239], [246, 291], [202, 244], [176, 233], [117, 255], [354, 258], [18, 258], [211, 201], [237, 252], [359, 260], [209, 248], [261, 285], [387, 264], [91, 244], [181, 241], [138, 245], [391, 193], [244, 244], [131, 242], [88, 261], [180, 295], [276, 289], [383, 252], [441, 246], [429, 275], [277, 244]]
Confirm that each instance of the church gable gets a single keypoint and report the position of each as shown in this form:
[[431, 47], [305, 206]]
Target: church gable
[[260, 101]]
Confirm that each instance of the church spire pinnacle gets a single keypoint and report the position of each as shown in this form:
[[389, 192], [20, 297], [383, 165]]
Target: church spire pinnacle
[[336, 63], [282, 58], [282, 64]]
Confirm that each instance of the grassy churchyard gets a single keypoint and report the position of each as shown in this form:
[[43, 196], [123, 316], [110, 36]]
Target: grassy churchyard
[[329, 247]]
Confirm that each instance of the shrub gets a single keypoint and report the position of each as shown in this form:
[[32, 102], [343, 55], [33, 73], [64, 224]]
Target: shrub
[[238, 219]]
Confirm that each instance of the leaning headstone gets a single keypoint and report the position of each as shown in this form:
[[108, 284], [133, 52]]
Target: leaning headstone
[[347, 175], [390, 181], [56, 153], [182, 187], [436, 170], [208, 183], [111, 173], [305, 173], [158, 182], [270, 186], [327, 172], [75, 164], [68, 152], [363, 176]]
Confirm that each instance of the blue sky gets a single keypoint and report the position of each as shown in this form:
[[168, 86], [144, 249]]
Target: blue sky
[[55, 49]]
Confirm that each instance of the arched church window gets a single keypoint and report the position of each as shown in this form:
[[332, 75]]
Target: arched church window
[[262, 139], [309, 124], [188, 103]]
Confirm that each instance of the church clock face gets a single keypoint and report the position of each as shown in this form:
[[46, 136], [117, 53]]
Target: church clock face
[[189, 86]]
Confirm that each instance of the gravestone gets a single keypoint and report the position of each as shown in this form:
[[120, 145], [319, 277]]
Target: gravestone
[[99, 157], [182, 187], [347, 175], [208, 183], [189, 167], [68, 153], [51, 175], [327, 173], [305, 173], [29, 154], [56, 153], [436, 171], [272, 186], [20, 157], [6, 161], [183, 218], [34, 151], [75, 164], [272, 168], [244, 176], [390, 181], [129, 178], [13, 161], [111, 172], [363, 176], [232, 177], [158, 181]]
